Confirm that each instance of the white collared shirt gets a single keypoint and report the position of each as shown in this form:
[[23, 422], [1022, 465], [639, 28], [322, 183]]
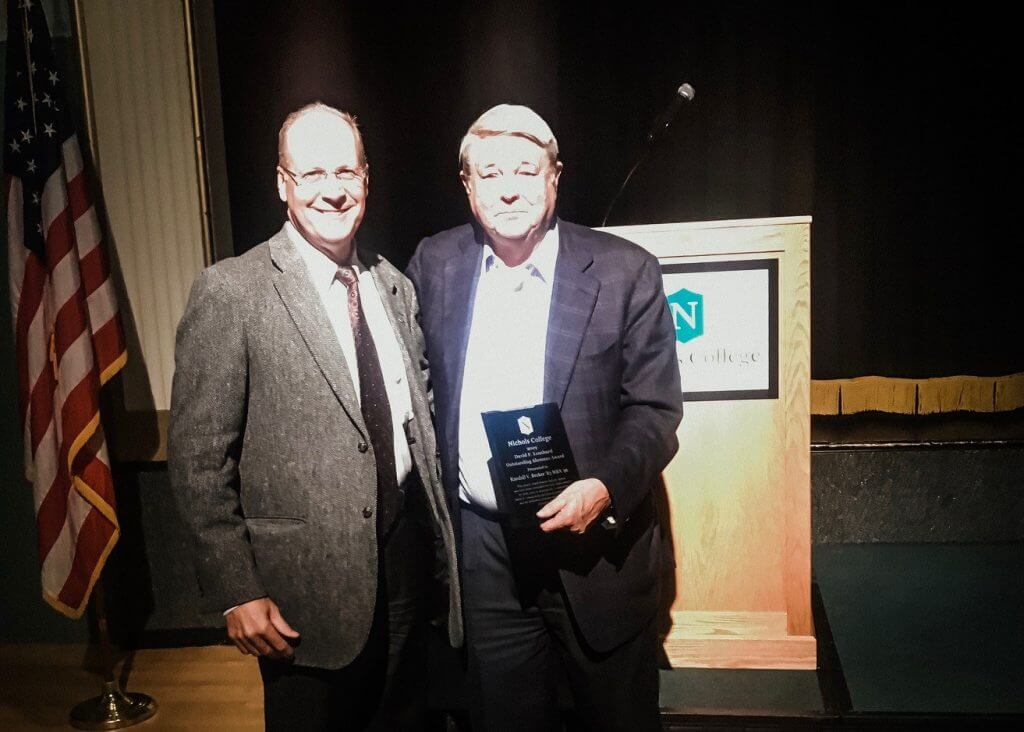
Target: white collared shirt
[[504, 355], [334, 296]]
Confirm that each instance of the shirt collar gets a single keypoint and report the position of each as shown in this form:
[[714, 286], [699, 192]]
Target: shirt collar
[[541, 262], [322, 268]]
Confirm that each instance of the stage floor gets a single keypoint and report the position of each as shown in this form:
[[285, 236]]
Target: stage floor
[[922, 631], [210, 688]]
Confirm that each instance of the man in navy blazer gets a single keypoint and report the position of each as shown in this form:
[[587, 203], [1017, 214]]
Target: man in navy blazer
[[520, 308]]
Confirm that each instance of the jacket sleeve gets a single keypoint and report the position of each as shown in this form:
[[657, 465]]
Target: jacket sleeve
[[651, 400], [419, 346], [208, 410]]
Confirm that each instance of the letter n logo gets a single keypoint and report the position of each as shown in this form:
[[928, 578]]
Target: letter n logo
[[687, 310]]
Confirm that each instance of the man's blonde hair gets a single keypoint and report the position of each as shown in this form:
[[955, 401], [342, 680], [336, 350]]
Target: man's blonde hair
[[317, 107], [514, 120]]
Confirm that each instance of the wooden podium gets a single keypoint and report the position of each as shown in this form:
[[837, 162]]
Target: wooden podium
[[739, 487]]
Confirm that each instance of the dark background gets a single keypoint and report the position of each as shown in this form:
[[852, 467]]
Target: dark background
[[894, 125]]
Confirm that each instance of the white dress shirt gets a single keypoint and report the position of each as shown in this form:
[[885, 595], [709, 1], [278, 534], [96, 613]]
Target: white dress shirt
[[334, 295], [504, 356]]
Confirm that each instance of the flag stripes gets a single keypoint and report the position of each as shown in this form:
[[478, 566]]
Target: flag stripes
[[68, 334]]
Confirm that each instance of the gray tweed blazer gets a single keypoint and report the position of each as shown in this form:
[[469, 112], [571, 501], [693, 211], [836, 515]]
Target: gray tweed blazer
[[268, 451]]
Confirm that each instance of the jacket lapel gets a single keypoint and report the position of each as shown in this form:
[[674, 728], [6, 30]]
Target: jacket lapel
[[461, 274], [307, 312], [572, 303], [387, 290]]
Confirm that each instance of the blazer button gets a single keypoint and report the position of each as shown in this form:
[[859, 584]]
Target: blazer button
[[367, 512], [363, 447]]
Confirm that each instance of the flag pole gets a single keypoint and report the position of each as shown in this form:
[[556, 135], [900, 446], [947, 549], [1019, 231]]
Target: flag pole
[[113, 708]]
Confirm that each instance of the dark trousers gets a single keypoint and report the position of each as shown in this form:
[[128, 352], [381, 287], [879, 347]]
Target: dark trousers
[[521, 635], [384, 688]]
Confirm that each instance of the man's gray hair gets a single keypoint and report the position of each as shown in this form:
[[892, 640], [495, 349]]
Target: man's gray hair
[[317, 107], [514, 120]]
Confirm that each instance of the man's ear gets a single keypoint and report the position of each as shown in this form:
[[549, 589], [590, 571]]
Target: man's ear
[[282, 185], [464, 177], [558, 172]]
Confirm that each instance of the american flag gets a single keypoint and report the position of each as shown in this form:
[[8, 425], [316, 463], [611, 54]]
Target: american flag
[[68, 334]]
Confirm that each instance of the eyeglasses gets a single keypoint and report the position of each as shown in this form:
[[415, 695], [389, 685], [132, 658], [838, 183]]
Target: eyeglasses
[[316, 178]]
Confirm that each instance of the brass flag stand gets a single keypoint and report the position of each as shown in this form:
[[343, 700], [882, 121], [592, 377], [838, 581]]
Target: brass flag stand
[[113, 708]]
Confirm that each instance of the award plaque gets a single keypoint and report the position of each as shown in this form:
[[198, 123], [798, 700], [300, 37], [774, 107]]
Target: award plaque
[[531, 460]]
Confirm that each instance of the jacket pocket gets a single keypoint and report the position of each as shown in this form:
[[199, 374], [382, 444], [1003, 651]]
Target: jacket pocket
[[270, 521]]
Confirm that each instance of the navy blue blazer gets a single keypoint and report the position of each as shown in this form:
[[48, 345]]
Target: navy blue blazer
[[610, 364]]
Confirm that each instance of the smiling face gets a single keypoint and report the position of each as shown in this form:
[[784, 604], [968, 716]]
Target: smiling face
[[512, 187], [326, 213]]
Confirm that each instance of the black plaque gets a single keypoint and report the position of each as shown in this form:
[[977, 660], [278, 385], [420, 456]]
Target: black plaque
[[531, 460]]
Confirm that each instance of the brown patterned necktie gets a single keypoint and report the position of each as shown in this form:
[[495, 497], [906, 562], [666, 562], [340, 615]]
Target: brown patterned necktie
[[373, 402]]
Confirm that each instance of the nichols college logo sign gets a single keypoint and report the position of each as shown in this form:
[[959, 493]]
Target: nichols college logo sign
[[687, 310]]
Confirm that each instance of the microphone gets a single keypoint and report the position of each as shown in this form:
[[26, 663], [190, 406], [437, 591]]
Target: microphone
[[684, 93]]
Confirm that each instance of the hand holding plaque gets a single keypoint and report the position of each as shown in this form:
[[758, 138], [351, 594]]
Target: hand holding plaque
[[577, 507], [531, 460]]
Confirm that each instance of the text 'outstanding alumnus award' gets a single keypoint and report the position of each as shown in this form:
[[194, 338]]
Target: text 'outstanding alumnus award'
[[531, 460]]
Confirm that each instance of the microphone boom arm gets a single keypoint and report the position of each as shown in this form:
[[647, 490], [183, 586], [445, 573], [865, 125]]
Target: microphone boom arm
[[684, 93]]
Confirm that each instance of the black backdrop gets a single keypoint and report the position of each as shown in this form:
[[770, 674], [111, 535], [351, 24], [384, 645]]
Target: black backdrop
[[895, 125]]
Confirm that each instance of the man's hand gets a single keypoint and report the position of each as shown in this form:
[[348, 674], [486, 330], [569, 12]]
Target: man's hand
[[258, 629], [576, 507]]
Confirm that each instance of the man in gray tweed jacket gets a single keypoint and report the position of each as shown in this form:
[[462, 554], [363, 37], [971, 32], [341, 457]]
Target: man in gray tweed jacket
[[303, 456]]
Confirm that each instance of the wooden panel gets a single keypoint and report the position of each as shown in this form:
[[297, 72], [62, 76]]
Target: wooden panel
[[144, 142], [726, 518], [792, 652], [719, 238], [795, 399], [728, 624], [739, 487]]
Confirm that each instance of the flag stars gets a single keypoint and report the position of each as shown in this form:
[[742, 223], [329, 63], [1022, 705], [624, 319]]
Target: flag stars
[[21, 104], [53, 77], [30, 35], [26, 4], [31, 166], [26, 136], [35, 198], [47, 101], [32, 67], [15, 147], [48, 130]]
